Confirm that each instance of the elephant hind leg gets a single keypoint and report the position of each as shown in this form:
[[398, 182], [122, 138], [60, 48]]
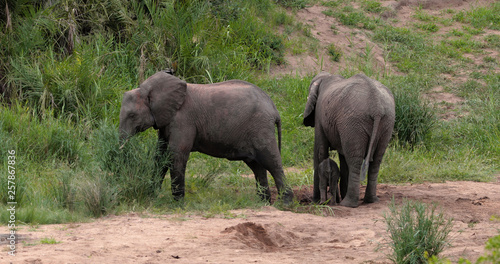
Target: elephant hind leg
[[351, 198], [261, 178], [371, 187], [271, 161], [344, 175], [373, 170]]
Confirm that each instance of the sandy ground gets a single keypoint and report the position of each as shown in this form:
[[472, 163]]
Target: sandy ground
[[267, 235]]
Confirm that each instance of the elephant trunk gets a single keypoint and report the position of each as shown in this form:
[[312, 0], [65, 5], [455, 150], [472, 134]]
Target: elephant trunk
[[124, 137]]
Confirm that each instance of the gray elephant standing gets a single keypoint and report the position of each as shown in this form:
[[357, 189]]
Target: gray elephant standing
[[354, 116], [329, 175], [234, 120]]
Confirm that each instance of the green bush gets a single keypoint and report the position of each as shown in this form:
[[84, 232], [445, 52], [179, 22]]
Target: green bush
[[416, 231], [414, 117]]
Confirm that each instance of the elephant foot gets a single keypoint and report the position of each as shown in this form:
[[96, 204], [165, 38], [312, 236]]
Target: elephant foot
[[371, 199], [178, 196], [287, 198], [265, 195], [349, 203]]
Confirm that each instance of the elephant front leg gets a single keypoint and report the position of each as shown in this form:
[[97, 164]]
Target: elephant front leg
[[180, 146], [161, 165], [177, 174]]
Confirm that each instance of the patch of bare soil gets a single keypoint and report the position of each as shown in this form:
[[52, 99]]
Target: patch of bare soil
[[352, 42], [267, 235]]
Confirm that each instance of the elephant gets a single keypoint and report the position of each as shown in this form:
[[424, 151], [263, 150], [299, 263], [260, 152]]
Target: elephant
[[234, 120], [329, 175], [355, 117]]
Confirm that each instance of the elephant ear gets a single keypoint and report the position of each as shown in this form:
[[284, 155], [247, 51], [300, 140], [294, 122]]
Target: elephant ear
[[311, 102], [166, 94]]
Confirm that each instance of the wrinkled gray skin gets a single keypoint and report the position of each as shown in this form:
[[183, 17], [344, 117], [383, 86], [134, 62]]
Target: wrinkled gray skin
[[354, 116], [234, 120], [329, 175]]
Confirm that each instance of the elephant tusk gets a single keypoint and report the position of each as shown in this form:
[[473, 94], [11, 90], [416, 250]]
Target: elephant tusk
[[123, 145]]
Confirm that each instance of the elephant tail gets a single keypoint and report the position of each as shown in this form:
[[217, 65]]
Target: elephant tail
[[277, 122], [366, 162]]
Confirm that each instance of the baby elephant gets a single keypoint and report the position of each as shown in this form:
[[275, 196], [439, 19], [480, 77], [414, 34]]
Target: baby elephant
[[329, 174]]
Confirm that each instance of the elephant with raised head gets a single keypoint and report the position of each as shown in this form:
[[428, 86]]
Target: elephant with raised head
[[234, 120], [329, 175], [354, 116]]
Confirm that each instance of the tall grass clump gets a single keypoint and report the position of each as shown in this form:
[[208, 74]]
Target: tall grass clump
[[130, 170], [38, 140], [416, 231], [290, 94], [414, 118], [97, 193]]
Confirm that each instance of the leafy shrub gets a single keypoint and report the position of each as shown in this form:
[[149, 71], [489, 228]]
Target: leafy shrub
[[416, 231]]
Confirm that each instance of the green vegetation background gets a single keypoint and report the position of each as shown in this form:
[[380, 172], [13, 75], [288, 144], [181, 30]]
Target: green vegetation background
[[64, 66]]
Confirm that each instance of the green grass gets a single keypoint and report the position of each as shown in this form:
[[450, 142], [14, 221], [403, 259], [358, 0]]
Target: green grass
[[49, 241], [416, 231], [334, 52], [372, 6], [481, 17], [491, 255], [357, 19], [431, 27], [63, 75]]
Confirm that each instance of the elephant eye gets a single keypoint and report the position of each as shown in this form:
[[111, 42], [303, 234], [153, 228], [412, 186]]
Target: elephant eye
[[131, 115]]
